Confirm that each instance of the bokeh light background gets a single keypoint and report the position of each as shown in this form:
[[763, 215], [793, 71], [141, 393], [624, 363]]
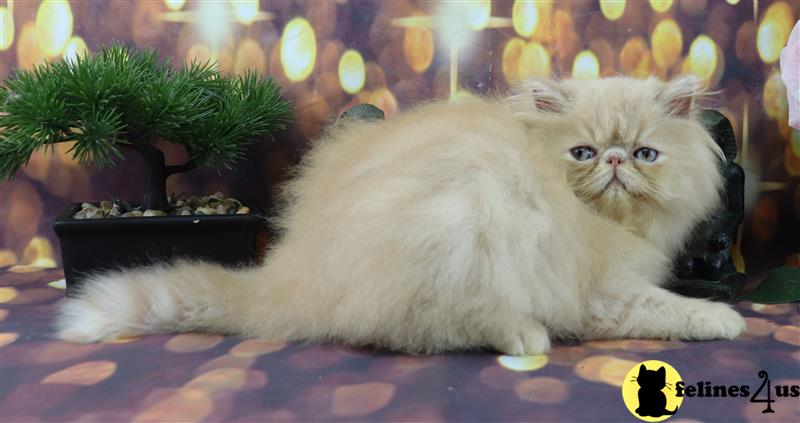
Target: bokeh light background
[[331, 54]]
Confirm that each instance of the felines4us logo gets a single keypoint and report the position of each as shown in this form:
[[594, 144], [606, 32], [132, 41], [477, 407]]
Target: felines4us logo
[[654, 391]]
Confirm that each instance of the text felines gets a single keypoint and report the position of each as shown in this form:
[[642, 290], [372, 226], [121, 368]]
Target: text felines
[[705, 389]]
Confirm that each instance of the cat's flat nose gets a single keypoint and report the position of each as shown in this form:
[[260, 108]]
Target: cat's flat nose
[[614, 161]]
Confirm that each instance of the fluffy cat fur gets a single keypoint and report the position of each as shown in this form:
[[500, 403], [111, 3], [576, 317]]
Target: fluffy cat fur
[[461, 225]]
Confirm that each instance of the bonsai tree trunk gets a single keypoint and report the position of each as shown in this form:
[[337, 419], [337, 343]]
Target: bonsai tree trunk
[[156, 173]]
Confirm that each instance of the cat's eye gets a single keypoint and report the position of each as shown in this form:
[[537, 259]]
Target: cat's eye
[[646, 154], [583, 153]]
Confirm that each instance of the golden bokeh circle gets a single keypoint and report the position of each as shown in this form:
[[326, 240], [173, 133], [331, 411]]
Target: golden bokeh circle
[[661, 6], [7, 258], [703, 56], [6, 28], [534, 61], [76, 47], [774, 98], [418, 48], [512, 52], [612, 9], [667, 42], [523, 363], [794, 141], [7, 338], [298, 49], [384, 99], [328, 85], [788, 334], [524, 17], [361, 399], [542, 390], [770, 39], [586, 66], [634, 58], [174, 5], [7, 294], [603, 368], [53, 26], [249, 57], [352, 72], [781, 12], [199, 53]]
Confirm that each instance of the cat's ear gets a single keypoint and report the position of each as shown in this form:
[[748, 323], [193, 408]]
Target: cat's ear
[[642, 369], [680, 95], [661, 371], [543, 95]]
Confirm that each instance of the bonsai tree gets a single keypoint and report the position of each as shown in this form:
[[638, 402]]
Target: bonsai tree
[[127, 98]]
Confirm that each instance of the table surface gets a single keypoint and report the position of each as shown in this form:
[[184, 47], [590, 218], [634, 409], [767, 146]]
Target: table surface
[[197, 377]]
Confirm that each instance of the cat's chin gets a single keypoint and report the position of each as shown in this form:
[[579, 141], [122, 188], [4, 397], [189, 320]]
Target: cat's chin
[[615, 186]]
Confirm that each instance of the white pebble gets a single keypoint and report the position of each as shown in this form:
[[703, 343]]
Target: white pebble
[[205, 210]]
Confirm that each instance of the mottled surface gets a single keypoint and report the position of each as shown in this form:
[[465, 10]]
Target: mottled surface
[[194, 377]]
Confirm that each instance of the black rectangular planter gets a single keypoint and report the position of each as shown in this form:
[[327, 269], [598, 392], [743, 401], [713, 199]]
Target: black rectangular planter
[[93, 245]]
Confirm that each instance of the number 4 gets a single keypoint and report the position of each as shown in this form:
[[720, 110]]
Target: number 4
[[763, 374]]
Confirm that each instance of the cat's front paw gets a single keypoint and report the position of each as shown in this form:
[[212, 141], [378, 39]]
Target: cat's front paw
[[531, 340], [715, 321]]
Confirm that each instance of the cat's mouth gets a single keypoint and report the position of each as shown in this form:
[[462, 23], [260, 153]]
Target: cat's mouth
[[615, 183]]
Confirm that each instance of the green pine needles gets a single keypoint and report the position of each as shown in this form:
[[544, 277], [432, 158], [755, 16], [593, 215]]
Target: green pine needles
[[128, 98]]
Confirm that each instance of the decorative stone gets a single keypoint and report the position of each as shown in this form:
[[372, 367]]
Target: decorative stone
[[93, 213], [205, 210], [114, 211], [88, 211], [193, 201], [231, 203], [214, 204]]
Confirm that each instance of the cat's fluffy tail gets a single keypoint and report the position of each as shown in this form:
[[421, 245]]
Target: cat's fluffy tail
[[168, 298]]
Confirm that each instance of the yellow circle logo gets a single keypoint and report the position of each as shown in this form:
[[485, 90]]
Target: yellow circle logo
[[649, 391]]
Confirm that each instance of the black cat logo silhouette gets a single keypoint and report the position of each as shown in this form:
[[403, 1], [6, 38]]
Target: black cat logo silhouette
[[649, 391]]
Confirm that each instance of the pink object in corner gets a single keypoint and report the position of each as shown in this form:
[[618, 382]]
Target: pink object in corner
[[790, 74]]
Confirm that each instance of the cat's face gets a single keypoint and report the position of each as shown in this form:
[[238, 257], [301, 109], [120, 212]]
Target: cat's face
[[631, 148]]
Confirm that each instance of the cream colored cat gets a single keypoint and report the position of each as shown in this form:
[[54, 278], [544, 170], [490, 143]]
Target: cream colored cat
[[505, 223]]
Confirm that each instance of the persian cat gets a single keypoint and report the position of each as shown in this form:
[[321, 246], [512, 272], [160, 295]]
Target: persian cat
[[504, 223]]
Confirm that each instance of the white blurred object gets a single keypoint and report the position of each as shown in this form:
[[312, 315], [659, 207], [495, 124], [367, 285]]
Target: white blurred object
[[790, 74]]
